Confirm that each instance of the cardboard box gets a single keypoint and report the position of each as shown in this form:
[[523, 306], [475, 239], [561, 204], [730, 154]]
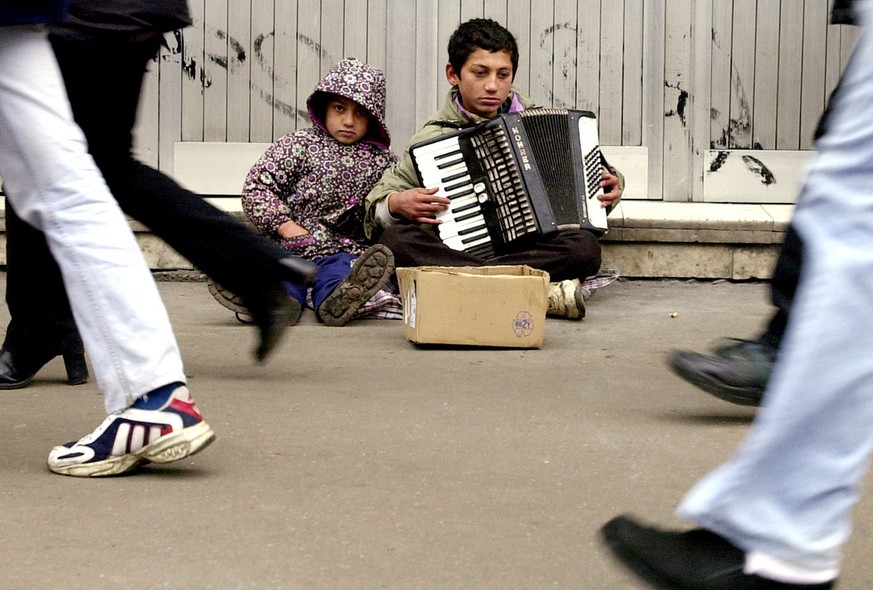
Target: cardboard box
[[474, 306]]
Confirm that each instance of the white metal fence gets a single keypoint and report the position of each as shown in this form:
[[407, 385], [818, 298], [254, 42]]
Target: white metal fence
[[714, 95]]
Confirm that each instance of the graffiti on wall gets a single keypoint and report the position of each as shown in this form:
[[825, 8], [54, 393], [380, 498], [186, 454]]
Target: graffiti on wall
[[200, 66]]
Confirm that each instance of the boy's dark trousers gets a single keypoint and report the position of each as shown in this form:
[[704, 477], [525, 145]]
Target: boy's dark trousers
[[103, 79], [569, 254]]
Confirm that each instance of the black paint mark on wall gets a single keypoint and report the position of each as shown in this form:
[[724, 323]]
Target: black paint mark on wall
[[176, 47], [236, 52], [193, 69], [718, 161], [681, 103], [268, 97], [311, 44], [258, 48], [753, 165], [219, 60], [737, 134], [237, 49], [564, 63], [758, 167]]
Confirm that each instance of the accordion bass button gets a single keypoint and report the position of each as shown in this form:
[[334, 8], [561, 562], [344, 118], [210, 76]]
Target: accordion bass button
[[480, 189]]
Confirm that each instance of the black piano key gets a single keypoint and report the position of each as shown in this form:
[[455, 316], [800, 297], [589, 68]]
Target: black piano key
[[472, 239], [447, 155], [482, 251], [454, 187], [472, 215], [470, 230], [467, 207], [445, 165], [460, 194], [452, 177]]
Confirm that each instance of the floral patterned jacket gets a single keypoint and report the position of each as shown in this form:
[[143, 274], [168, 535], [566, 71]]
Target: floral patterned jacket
[[310, 178]]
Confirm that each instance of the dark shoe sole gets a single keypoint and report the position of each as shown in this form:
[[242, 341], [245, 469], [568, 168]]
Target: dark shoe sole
[[227, 299], [16, 384], [743, 396], [369, 274]]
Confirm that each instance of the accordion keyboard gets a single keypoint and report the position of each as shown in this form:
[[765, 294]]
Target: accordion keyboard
[[462, 227]]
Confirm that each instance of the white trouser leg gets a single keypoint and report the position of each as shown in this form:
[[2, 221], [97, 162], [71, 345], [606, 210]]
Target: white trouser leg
[[789, 490], [55, 186]]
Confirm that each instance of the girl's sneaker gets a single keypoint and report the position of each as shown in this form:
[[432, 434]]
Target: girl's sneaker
[[235, 304], [369, 273], [161, 427]]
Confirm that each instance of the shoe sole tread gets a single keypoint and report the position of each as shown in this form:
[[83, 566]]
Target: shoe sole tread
[[369, 274]]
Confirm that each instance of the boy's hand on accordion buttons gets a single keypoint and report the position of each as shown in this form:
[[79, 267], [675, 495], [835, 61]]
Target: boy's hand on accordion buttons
[[417, 204], [610, 189]]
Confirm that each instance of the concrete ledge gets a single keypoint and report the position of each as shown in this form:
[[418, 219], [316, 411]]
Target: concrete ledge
[[695, 240], [657, 221], [647, 239]]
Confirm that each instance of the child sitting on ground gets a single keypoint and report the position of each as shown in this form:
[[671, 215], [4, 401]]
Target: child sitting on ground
[[307, 192], [403, 215]]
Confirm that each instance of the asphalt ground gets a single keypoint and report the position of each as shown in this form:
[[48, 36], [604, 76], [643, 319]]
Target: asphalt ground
[[355, 459]]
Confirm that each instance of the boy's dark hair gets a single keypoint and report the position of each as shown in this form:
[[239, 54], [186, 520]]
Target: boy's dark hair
[[480, 33]]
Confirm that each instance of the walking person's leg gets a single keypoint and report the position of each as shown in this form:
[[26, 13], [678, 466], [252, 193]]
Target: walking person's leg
[[780, 508], [41, 325], [249, 265], [55, 186]]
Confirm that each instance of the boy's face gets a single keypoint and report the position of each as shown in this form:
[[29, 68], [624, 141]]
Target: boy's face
[[346, 120], [485, 80]]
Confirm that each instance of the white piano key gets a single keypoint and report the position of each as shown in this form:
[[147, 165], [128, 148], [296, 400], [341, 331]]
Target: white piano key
[[450, 228], [464, 242]]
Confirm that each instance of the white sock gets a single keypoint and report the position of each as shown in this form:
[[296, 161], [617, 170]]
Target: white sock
[[776, 569]]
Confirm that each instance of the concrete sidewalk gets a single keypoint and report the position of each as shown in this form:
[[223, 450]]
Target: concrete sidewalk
[[355, 459]]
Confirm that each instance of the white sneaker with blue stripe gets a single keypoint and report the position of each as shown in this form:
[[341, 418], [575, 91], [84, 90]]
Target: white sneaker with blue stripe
[[161, 427]]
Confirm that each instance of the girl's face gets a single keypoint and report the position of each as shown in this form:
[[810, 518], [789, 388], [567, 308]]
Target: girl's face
[[346, 120], [485, 81]]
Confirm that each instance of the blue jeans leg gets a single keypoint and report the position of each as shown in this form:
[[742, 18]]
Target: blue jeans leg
[[332, 271]]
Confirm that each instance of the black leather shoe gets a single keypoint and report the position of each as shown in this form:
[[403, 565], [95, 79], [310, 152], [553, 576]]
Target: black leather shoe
[[17, 371], [696, 559], [272, 311], [736, 372]]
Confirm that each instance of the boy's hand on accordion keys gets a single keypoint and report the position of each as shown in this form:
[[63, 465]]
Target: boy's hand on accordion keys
[[420, 205], [611, 190]]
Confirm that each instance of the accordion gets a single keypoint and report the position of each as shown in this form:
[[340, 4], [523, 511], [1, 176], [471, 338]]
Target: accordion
[[519, 176]]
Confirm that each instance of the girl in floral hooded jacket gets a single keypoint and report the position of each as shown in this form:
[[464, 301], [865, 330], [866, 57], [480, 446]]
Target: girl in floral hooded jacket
[[307, 192]]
